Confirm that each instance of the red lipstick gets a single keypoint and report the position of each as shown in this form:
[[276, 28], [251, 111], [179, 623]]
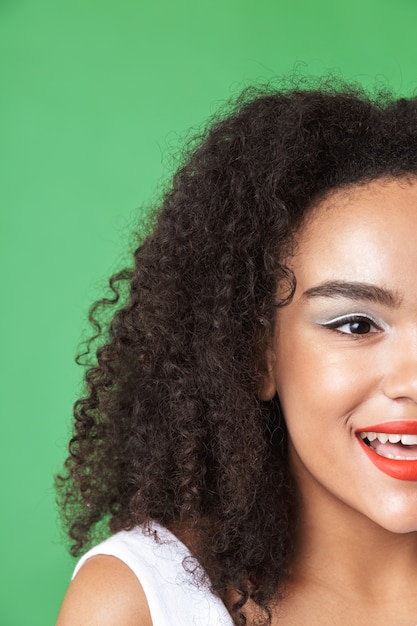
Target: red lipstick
[[396, 468], [403, 427]]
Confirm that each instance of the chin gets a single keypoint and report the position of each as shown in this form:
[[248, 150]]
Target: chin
[[401, 520]]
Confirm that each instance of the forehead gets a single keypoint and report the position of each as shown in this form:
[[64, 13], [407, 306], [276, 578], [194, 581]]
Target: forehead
[[361, 232]]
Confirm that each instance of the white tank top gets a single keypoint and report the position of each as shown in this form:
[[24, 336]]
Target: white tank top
[[174, 596]]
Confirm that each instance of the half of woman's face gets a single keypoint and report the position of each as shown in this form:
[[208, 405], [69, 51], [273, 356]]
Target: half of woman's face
[[344, 355]]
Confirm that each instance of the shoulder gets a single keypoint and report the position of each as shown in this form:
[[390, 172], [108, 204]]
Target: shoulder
[[105, 592]]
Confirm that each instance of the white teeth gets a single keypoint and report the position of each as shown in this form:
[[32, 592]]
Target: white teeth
[[406, 440], [394, 438], [409, 440], [399, 458]]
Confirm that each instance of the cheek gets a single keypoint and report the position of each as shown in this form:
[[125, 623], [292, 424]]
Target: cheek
[[318, 387]]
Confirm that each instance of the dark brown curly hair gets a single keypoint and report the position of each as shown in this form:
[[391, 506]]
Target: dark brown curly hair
[[171, 427]]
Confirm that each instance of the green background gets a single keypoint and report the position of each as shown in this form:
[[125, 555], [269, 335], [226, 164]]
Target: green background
[[95, 97]]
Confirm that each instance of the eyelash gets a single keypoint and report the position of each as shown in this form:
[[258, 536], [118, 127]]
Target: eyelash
[[339, 322]]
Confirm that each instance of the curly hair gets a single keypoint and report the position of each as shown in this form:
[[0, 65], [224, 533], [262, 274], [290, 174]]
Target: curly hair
[[171, 427]]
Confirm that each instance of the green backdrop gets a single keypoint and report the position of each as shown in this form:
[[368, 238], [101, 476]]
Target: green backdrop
[[94, 97]]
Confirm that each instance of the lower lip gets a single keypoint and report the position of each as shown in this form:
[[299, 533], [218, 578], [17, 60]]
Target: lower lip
[[400, 469]]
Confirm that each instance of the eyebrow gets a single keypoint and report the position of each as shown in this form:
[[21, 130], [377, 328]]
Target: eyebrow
[[354, 291]]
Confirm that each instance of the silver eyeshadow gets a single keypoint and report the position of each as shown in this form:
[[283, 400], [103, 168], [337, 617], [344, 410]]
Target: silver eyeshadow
[[340, 320]]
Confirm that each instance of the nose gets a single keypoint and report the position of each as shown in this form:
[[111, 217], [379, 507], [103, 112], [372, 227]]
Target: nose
[[400, 380]]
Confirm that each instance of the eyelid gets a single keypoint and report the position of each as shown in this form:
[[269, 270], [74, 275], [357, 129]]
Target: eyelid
[[350, 317]]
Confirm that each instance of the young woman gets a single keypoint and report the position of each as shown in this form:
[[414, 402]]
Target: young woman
[[249, 432]]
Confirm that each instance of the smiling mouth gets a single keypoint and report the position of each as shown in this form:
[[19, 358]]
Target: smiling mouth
[[391, 447], [401, 447]]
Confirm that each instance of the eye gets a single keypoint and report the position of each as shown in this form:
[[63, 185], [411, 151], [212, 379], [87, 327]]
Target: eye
[[353, 325], [356, 327]]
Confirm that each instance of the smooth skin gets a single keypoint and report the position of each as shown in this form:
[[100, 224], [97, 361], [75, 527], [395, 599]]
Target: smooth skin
[[105, 592], [356, 557], [344, 356]]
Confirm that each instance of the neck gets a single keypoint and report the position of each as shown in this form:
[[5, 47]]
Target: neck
[[358, 558], [343, 551]]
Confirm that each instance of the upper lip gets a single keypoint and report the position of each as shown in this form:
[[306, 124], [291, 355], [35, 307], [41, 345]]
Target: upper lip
[[401, 427]]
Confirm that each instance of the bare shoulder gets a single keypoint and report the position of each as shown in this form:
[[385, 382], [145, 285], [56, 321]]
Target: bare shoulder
[[105, 592]]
